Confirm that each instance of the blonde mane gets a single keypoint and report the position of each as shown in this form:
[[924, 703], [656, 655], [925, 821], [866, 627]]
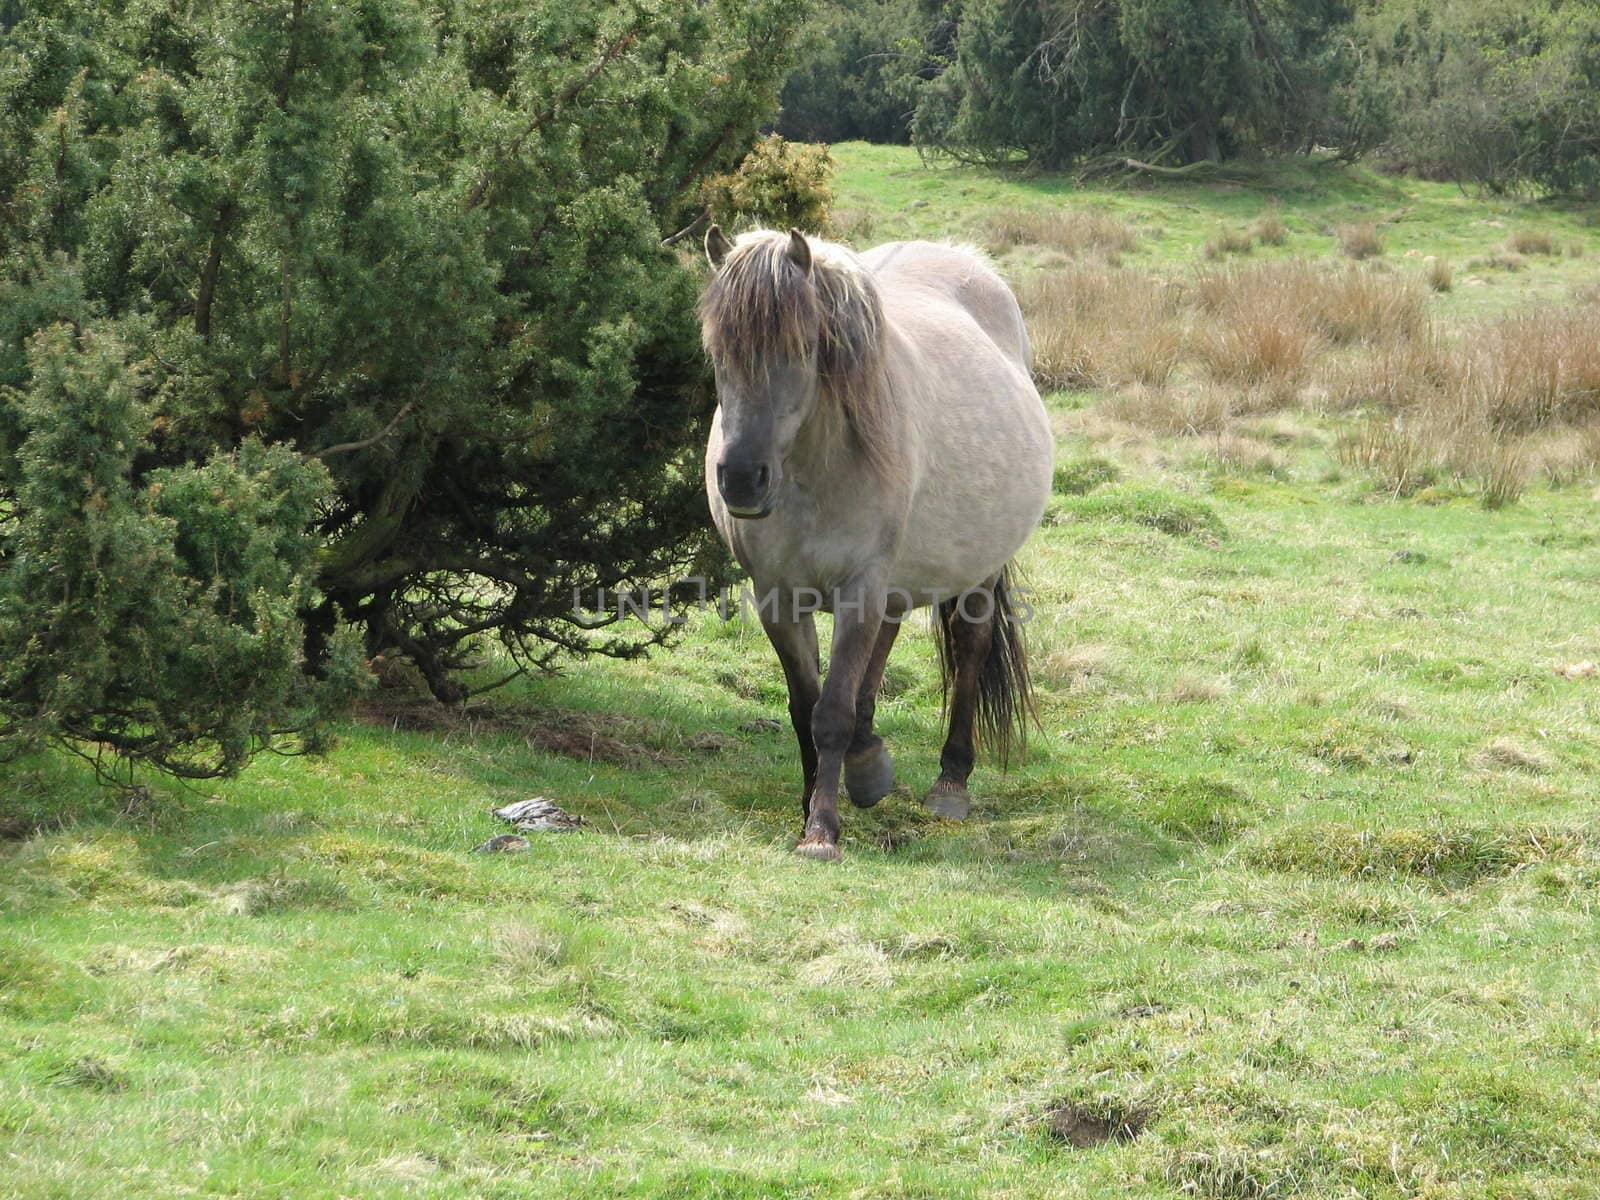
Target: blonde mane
[[762, 308]]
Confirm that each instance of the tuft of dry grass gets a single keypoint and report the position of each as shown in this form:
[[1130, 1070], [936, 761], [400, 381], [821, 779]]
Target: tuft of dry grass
[[1360, 305], [1441, 275], [1394, 451], [1097, 325], [1360, 241], [1529, 369], [1394, 375], [1340, 305], [855, 964], [524, 949], [1197, 689], [1228, 241], [1269, 229], [1149, 357], [1568, 457], [1171, 412], [854, 226], [1507, 261], [1501, 469], [1234, 454], [1507, 754], [1077, 666], [1259, 350], [1531, 242], [1073, 231]]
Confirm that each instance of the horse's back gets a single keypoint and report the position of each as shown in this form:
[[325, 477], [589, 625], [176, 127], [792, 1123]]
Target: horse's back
[[979, 444], [963, 276]]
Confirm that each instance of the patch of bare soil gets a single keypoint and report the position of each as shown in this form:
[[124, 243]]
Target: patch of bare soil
[[1084, 1128], [605, 737]]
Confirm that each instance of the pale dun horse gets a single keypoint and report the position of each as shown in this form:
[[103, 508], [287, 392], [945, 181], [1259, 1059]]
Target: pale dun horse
[[878, 446]]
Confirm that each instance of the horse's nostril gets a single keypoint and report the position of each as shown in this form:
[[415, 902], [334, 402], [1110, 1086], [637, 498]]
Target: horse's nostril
[[722, 476], [762, 475]]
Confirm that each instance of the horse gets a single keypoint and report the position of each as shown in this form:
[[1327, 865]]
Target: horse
[[878, 447]]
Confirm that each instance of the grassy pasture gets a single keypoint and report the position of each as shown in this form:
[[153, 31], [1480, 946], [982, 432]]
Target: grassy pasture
[[1295, 894]]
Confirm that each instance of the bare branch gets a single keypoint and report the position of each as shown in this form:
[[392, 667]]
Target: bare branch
[[351, 447]]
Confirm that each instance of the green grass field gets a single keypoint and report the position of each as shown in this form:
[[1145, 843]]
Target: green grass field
[[1295, 894]]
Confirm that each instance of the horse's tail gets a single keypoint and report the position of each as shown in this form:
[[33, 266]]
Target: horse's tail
[[1005, 704]]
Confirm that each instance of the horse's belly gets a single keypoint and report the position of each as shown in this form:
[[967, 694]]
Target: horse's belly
[[944, 556], [981, 496]]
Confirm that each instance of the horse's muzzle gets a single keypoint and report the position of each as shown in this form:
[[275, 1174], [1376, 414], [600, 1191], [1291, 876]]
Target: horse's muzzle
[[746, 489]]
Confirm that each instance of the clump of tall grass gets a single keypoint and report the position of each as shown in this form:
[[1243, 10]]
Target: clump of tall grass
[[1233, 454], [1508, 260], [1359, 305], [1392, 376], [1074, 231], [1172, 411], [1266, 323], [1261, 350], [1228, 241], [1527, 370], [1531, 242], [1341, 305], [854, 225], [1568, 457], [1441, 275], [1360, 241], [1269, 229], [1392, 450], [1093, 326]]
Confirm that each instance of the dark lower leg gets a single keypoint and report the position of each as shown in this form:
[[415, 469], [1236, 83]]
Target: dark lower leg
[[856, 624], [796, 644], [970, 641], [868, 770]]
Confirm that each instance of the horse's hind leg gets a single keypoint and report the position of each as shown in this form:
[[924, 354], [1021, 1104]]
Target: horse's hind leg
[[967, 641], [868, 769], [796, 644]]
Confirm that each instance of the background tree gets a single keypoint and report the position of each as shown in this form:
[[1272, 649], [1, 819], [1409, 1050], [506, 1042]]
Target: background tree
[[1504, 95], [857, 67], [415, 247], [1167, 81]]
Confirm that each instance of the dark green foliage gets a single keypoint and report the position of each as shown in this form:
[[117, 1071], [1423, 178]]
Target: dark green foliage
[[409, 250], [857, 68], [157, 619], [1500, 94], [1170, 81]]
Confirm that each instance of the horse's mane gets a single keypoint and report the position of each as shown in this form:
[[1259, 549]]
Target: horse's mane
[[761, 308]]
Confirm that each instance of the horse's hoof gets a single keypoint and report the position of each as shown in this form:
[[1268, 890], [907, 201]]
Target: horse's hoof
[[869, 776], [948, 800], [819, 850]]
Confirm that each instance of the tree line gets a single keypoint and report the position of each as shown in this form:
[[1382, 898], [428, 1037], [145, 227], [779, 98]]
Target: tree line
[[1503, 94]]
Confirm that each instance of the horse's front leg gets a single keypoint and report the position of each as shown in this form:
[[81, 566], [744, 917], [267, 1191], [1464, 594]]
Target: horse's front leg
[[794, 636], [868, 769], [858, 611]]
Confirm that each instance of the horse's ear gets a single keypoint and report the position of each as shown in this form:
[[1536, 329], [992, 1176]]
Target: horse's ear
[[717, 245], [799, 250]]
